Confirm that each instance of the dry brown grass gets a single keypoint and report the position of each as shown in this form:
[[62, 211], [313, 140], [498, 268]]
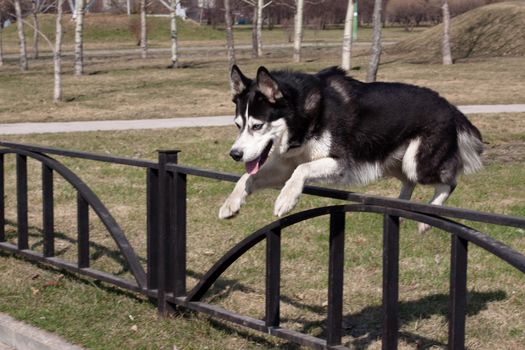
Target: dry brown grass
[[125, 88], [489, 31]]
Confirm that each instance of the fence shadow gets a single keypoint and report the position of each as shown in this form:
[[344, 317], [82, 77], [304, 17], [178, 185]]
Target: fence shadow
[[365, 325]]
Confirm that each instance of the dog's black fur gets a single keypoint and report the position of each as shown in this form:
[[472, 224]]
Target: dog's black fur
[[367, 120]]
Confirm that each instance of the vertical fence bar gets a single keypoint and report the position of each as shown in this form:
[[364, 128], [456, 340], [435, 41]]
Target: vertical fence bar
[[458, 293], [335, 279], [83, 231], [390, 282], [178, 243], [21, 196], [2, 203], [273, 277], [152, 227], [48, 216], [166, 241]]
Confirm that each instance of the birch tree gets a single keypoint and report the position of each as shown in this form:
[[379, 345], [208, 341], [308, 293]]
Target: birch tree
[[445, 45], [257, 22], [21, 36], [346, 59], [79, 37], [1, 44], [4, 10], [172, 7], [260, 6], [143, 29], [376, 42], [298, 30], [38, 6], [229, 34], [57, 58]]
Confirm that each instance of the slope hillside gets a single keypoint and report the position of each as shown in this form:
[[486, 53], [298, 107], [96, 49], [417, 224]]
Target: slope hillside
[[489, 31]]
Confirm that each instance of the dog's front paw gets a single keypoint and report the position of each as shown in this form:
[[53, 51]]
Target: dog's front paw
[[230, 208], [287, 199]]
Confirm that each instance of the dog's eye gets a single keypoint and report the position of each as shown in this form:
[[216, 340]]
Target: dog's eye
[[256, 127]]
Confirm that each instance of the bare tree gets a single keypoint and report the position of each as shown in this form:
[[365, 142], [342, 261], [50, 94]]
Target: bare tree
[[229, 34], [346, 59], [143, 29], [1, 44], [38, 6], [298, 30], [257, 22], [21, 36], [376, 42], [445, 48], [4, 10], [79, 34], [172, 8], [34, 13], [57, 96]]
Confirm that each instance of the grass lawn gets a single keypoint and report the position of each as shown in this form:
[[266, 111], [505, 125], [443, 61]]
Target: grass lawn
[[119, 31], [101, 317]]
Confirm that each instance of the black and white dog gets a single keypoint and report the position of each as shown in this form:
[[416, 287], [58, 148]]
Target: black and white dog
[[327, 127]]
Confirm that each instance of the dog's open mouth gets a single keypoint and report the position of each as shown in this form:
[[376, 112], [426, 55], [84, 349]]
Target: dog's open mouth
[[252, 167]]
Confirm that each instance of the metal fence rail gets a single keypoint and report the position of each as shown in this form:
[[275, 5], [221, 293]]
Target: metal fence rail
[[164, 279]]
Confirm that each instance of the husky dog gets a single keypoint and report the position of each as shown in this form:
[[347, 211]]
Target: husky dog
[[296, 128]]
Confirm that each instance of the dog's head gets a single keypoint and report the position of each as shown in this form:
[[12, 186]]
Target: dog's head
[[264, 108]]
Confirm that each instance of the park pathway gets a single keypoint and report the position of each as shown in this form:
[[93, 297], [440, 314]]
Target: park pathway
[[107, 125]]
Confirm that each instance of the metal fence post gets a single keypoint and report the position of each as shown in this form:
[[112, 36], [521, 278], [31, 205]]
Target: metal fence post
[[2, 203], [458, 293], [390, 282], [171, 243]]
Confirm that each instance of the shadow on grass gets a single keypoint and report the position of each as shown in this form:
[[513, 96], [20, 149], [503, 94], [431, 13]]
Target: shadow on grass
[[365, 325]]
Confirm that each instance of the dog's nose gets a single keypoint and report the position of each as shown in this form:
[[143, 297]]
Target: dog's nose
[[236, 154]]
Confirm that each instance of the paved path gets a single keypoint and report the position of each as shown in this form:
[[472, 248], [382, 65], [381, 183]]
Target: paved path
[[105, 125], [16, 335]]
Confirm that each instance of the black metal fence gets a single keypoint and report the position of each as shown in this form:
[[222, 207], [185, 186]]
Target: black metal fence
[[165, 276]]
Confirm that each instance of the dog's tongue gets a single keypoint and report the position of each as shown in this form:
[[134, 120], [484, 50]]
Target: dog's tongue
[[253, 166]]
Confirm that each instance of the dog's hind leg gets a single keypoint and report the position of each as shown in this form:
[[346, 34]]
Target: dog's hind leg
[[441, 194], [407, 188]]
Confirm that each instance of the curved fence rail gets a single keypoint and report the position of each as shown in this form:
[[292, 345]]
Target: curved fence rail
[[165, 277]]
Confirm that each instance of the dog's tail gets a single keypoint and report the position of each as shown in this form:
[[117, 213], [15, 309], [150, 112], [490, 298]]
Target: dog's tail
[[470, 145]]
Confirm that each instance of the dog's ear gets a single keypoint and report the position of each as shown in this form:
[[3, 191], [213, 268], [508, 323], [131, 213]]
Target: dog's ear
[[268, 86], [238, 81]]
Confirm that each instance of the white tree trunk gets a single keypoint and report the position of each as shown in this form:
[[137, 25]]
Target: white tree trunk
[[36, 30], [21, 36], [1, 46], [57, 54], [445, 48], [376, 42], [346, 59], [254, 32], [260, 5], [229, 34], [143, 29], [128, 7], [79, 41], [298, 30], [173, 18]]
